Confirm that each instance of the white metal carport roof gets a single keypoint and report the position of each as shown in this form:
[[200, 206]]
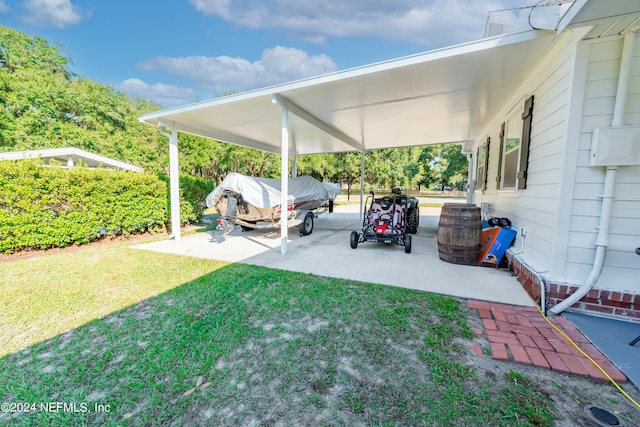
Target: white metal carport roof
[[441, 96], [436, 97]]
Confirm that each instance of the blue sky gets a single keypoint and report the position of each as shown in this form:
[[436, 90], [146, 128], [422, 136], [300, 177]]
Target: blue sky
[[180, 51]]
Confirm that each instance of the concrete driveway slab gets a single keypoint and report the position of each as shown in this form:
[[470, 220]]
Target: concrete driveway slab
[[327, 252]]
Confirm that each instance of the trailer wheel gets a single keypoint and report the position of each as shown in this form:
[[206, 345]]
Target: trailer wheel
[[306, 227], [407, 244], [354, 239], [413, 218], [245, 228]]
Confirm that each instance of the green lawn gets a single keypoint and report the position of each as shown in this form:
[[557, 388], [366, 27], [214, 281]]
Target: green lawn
[[132, 337]]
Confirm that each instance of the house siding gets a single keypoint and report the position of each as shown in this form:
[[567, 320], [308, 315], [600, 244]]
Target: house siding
[[574, 87], [535, 207], [622, 266]]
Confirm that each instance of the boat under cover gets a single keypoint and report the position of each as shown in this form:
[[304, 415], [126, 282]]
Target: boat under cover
[[248, 200]]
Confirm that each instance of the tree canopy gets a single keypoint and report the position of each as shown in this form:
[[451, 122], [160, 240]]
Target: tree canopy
[[44, 105]]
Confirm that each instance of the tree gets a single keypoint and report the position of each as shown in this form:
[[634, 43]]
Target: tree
[[443, 164], [45, 106]]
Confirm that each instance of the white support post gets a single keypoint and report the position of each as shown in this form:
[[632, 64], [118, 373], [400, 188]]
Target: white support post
[[174, 184], [471, 166], [362, 183], [284, 190], [294, 166]]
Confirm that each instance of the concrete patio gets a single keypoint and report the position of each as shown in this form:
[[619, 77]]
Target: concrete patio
[[327, 252]]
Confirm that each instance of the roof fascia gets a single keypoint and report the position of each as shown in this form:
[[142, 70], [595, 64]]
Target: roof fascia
[[570, 15], [219, 135]]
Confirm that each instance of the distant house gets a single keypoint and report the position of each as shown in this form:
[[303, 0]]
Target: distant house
[[71, 156]]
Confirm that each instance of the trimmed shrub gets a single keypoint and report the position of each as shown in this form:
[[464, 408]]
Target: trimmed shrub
[[193, 192], [43, 207]]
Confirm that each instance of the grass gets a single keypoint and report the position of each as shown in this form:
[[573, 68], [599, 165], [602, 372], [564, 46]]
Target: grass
[[157, 339]]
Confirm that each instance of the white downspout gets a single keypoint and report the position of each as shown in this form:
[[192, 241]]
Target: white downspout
[[602, 239]]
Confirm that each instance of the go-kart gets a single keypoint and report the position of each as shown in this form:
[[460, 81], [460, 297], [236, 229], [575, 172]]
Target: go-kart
[[389, 219]]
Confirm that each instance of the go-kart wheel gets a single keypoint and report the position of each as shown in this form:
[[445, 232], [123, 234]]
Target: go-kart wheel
[[306, 227], [413, 219], [407, 244], [355, 237]]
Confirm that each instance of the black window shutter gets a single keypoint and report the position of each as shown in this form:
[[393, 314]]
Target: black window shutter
[[500, 151], [486, 163], [527, 116]]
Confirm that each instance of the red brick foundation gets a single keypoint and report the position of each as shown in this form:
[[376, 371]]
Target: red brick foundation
[[598, 301]]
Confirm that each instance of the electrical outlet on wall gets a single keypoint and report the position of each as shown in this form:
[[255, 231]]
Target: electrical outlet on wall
[[523, 231]]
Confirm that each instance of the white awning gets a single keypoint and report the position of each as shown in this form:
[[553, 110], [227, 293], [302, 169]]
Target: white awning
[[441, 96], [70, 156]]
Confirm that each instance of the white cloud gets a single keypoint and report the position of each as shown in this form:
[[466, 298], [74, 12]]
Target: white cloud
[[223, 74], [162, 94], [3, 7], [434, 23], [52, 13]]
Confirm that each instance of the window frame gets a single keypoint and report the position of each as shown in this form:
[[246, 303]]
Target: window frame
[[521, 119], [482, 165]]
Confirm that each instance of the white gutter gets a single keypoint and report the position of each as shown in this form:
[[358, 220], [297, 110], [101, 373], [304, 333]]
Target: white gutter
[[602, 239]]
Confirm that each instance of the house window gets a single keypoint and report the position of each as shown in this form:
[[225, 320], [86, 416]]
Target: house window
[[482, 163], [511, 151], [514, 148]]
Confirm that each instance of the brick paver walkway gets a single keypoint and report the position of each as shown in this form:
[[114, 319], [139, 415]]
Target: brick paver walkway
[[522, 335]]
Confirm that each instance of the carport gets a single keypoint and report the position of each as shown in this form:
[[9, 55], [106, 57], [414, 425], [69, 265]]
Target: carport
[[441, 96]]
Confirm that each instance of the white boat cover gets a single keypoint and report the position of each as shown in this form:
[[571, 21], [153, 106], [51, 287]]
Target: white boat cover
[[265, 192]]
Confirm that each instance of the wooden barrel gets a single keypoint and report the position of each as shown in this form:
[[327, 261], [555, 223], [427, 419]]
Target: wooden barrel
[[460, 233]]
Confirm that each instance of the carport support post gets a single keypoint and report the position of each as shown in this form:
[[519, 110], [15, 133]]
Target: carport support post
[[174, 184], [284, 190], [362, 182]]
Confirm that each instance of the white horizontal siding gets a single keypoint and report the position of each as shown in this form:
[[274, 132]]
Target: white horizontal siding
[[624, 277], [562, 202], [622, 265], [536, 206]]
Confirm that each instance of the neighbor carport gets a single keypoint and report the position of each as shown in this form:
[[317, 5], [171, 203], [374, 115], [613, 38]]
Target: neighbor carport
[[441, 96]]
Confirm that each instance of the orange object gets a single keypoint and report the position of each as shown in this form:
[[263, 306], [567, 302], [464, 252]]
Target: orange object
[[495, 242]]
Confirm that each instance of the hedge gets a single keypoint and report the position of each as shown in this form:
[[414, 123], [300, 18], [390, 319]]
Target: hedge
[[43, 207], [193, 192]]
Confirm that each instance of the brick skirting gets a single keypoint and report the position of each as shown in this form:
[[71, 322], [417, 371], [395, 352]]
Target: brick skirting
[[622, 305]]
